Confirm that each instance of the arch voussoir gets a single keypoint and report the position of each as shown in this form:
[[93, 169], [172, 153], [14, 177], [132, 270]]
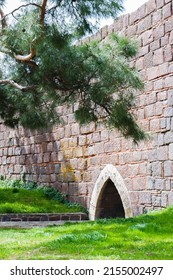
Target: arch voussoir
[[110, 173]]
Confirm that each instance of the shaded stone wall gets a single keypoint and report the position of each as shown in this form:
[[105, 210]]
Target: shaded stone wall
[[71, 157]]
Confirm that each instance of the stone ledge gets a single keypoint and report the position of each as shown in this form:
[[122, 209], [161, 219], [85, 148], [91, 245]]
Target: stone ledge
[[42, 217]]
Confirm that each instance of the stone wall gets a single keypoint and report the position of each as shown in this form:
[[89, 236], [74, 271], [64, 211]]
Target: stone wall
[[71, 157]]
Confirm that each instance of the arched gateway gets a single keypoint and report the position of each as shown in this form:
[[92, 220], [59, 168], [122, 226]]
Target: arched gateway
[[110, 197]]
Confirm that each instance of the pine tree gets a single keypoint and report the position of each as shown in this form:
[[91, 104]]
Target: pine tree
[[43, 66]]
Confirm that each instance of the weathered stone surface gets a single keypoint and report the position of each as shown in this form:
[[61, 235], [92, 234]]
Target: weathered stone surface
[[168, 168], [170, 97], [167, 11], [155, 45], [164, 199], [168, 25], [158, 57], [153, 73], [145, 198], [159, 3], [170, 198], [159, 32], [171, 151], [156, 200]]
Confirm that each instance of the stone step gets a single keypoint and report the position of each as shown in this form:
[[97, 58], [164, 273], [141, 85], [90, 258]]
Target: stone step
[[42, 217]]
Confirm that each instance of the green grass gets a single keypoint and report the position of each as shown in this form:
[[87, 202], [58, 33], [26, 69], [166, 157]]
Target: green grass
[[144, 237], [32, 200]]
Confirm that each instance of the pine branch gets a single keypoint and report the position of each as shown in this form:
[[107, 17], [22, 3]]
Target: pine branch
[[32, 54], [16, 85], [43, 11], [22, 6], [3, 20]]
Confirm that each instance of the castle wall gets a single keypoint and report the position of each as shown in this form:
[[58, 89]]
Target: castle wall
[[71, 157]]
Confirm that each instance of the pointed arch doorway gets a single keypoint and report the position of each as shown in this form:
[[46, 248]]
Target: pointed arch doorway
[[110, 197]]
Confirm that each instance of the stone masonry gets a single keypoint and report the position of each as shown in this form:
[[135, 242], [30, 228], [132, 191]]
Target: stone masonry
[[71, 158], [41, 217]]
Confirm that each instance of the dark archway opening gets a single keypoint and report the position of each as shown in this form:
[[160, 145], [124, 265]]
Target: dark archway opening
[[110, 204]]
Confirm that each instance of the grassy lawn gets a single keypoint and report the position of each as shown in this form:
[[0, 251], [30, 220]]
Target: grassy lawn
[[21, 200], [144, 237]]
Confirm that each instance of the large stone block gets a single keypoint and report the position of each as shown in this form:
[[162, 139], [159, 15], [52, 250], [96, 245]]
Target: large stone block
[[159, 106], [158, 57], [73, 142], [164, 199], [159, 32], [163, 69], [153, 73], [170, 198], [50, 147], [170, 97], [162, 153], [171, 37], [108, 147], [139, 183], [131, 31], [67, 131], [59, 134], [149, 111], [168, 137], [168, 53], [168, 184], [82, 140], [99, 148], [150, 6], [159, 3], [144, 24], [143, 50], [156, 200], [171, 151], [167, 11], [155, 45], [158, 84], [159, 184], [148, 60], [168, 168], [134, 16], [168, 112], [96, 137], [133, 170], [77, 152], [164, 41], [154, 125], [75, 129], [90, 151], [46, 157], [145, 198], [157, 169], [104, 135], [169, 25]]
